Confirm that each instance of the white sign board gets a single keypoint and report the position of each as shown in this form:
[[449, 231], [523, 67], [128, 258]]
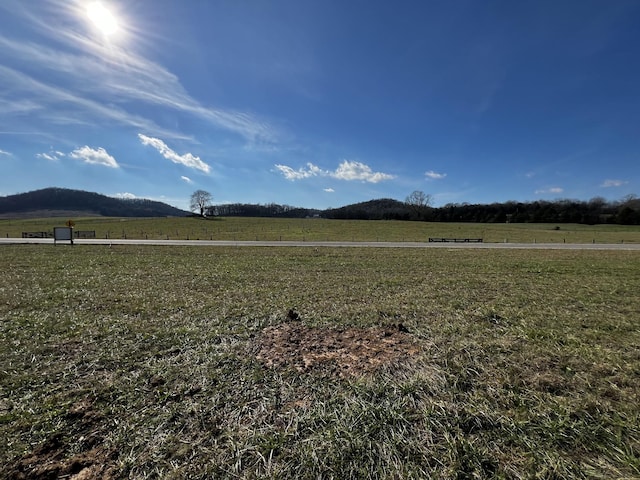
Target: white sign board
[[63, 234]]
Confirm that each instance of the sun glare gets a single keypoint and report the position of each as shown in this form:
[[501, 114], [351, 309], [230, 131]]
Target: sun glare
[[102, 18]]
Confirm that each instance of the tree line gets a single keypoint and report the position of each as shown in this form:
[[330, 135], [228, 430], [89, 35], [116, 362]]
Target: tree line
[[201, 204], [267, 210], [594, 211], [417, 207]]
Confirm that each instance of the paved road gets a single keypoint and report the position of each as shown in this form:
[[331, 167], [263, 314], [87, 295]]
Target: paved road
[[225, 243]]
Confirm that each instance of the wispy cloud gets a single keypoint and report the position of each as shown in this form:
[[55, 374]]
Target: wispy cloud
[[329, 190], [555, 190], [347, 170], [94, 156], [431, 175], [2, 152], [52, 156], [613, 183], [188, 160], [186, 179], [96, 74], [59, 106]]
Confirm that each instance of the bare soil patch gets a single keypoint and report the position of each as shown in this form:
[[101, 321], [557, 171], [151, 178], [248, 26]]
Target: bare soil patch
[[54, 458], [345, 352]]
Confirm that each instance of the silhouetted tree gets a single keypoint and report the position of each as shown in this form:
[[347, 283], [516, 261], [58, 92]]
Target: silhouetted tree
[[419, 202], [200, 201]]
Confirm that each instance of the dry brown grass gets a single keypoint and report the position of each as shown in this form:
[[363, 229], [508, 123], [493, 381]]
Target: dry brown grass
[[345, 352]]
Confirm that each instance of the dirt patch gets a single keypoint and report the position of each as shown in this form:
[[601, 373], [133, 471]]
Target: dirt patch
[[345, 352], [54, 458]]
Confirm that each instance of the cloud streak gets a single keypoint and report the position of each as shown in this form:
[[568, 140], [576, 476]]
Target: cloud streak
[[347, 170], [555, 190], [431, 175], [52, 156], [613, 183], [99, 74], [188, 160], [58, 106], [94, 156]]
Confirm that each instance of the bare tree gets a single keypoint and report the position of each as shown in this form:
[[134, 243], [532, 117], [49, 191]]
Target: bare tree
[[419, 202], [200, 200], [419, 199]]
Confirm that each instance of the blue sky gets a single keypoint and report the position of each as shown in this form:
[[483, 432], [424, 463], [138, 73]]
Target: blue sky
[[321, 103]]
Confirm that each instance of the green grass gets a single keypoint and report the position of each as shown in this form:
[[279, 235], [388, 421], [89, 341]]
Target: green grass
[[142, 356], [274, 229]]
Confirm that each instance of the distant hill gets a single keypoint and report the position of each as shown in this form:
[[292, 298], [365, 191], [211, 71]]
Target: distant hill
[[56, 202], [381, 209]]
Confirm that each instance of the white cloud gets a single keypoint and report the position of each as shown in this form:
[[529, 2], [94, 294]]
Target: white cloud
[[347, 170], [186, 179], [549, 190], [329, 190], [291, 174], [434, 175], [125, 196], [2, 152], [52, 156], [359, 171], [613, 183], [188, 160], [94, 156]]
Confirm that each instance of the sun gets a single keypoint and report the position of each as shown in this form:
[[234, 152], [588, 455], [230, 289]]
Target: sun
[[102, 18]]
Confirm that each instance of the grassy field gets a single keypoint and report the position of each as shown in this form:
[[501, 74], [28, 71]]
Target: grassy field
[[274, 229], [140, 362]]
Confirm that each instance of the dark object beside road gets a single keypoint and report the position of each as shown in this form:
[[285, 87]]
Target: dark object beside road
[[456, 240]]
